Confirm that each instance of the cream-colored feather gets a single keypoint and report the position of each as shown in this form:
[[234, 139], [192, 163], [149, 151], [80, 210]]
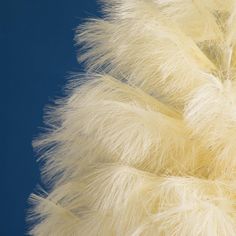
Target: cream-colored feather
[[144, 144], [174, 64]]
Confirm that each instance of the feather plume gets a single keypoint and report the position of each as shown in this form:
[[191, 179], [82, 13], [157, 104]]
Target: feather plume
[[144, 143]]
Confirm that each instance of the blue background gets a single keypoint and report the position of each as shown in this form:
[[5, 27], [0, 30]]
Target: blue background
[[37, 54]]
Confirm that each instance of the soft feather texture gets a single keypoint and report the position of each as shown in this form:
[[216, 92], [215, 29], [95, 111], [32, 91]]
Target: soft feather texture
[[145, 143]]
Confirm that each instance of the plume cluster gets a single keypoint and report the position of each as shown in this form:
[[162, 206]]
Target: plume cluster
[[144, 144]]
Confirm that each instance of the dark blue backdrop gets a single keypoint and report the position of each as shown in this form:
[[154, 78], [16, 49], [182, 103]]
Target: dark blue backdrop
[[38, 52]]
